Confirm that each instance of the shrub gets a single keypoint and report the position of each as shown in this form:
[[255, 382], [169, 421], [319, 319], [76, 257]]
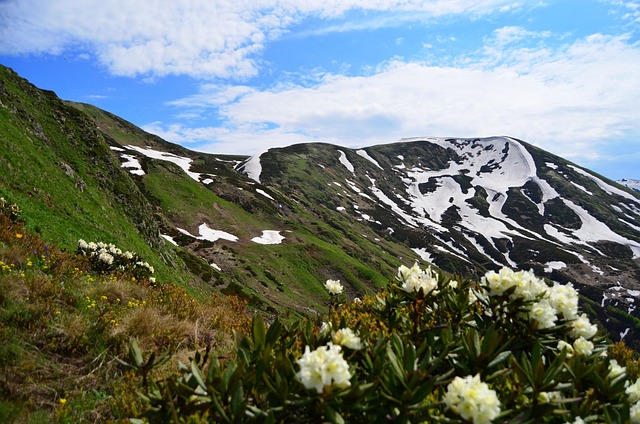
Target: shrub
[[428, 348], [107, 258], [10, 210]]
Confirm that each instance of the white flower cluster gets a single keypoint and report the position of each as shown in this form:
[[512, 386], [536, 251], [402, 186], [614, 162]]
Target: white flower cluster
[[102, 251], [111, 257], [415, 278], [348, 338], [633, 392], [323, 367], [334, 287], [472, 399], [548, 304]]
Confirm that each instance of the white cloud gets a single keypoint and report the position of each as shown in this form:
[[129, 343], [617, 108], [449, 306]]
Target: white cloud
[[201, 38], [569, 100]]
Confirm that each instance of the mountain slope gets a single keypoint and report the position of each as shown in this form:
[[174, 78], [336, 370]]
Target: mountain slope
[[274, 227], [468, 205]]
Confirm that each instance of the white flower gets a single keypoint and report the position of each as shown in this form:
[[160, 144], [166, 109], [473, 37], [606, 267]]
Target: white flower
[[634, 392], [546, 397], [323, 367], [578, 420], [128, 255], [347, 338], [334, 286], [543, 313], [582, 327], [472, 399], [526, 285], [634, 413], [92, 246], [106, 258], [83, 244], [414, 279], [562, 345], [564, 298], [583, 346], [152, 279], [616, 369]]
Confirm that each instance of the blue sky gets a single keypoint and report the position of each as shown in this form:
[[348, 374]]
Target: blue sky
[[240, 76]]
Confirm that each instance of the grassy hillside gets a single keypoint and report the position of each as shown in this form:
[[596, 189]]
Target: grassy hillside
[[65, 318], [59, 168]]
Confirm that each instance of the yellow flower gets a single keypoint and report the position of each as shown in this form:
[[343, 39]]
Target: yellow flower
[[62, 401], [18, 235]]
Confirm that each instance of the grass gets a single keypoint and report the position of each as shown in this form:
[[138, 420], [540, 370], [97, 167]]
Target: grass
[[62, 324]]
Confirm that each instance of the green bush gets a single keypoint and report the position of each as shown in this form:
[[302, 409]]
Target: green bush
[[428, 348]]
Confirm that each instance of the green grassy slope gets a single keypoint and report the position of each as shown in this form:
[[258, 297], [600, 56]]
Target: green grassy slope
[[59, 168]]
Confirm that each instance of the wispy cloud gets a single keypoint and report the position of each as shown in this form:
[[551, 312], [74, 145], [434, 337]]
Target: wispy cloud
[[200, 38]]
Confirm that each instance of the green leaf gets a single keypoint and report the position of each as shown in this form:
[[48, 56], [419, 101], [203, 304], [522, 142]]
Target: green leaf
[[333, 415], [258, 331], [195, 371], [135, 353], [274, 332], [501, 357], [237, 400]]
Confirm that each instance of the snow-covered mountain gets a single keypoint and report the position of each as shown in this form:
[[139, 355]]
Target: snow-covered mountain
[[632, 184], [469, 204]]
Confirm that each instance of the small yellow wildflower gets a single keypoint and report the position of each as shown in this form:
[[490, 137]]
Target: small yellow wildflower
[[62, 401], [18, 235]]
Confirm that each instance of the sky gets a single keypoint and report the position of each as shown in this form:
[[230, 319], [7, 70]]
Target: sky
[[242, 76]]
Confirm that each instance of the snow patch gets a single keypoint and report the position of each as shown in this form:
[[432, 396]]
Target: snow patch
[[132, 165], [609, 189], [169, 239], [344, 161], [269, 237], [210, 234], [214, 266], [424, 255], [207, 181], [582, 188], [550, 266], [264, 193], [182, 162], [365, 155], [624, 333], [252, 167]]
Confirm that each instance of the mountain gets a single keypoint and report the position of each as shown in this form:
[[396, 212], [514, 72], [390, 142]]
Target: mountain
[[273, 227], [632, 184]]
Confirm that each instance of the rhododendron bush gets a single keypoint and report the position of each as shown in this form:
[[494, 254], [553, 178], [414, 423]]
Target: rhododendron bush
[[428, 348]]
